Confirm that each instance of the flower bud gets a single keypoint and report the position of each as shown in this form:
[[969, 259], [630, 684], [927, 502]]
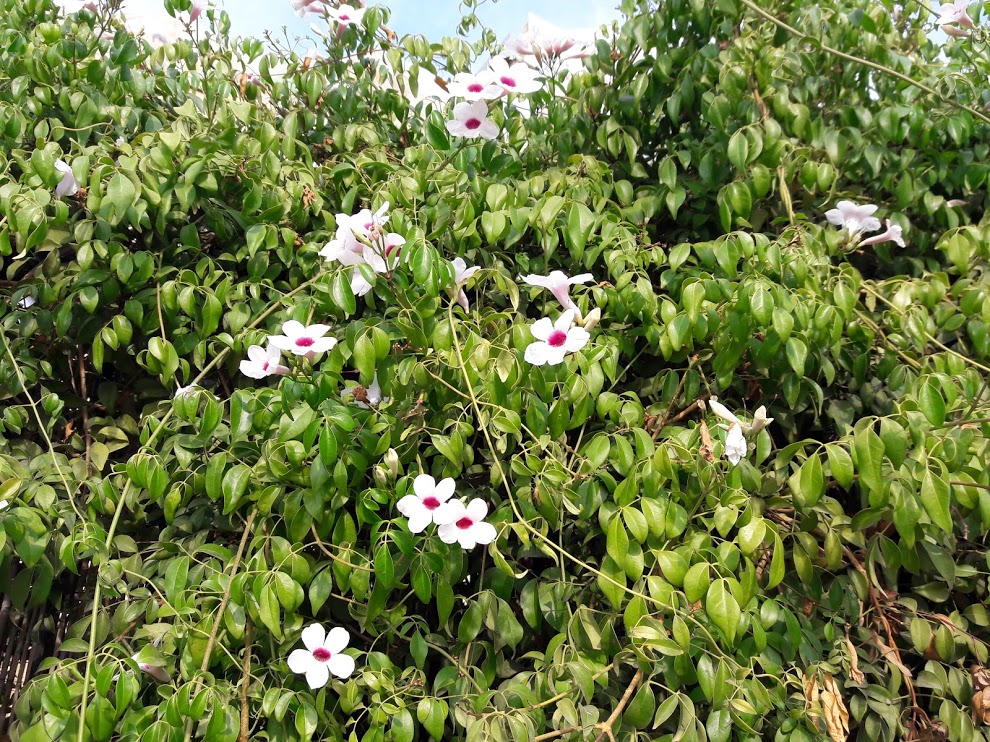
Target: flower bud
[[593, 318], [392, 462]]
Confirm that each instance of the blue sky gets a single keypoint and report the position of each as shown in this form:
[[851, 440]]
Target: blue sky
[[433, 18]]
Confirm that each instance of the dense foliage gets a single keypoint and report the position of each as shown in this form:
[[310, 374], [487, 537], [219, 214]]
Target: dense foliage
[[641, 585]]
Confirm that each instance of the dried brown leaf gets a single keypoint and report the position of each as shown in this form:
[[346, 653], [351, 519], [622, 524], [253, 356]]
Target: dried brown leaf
[[811, 693], [890, 655], [836, 713], [855, 674], [981, 694], [706, 443]]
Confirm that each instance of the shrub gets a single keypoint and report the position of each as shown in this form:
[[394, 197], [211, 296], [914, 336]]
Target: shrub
[[665, 562]]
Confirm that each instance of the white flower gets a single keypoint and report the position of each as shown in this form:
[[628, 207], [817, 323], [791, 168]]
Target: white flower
[[262, 362], [559, 285], [514, 78], [722, 411], [366, 223], [466, 525], [370, 397], [461, 275], [4, 504], [470, 120], [853, 218], [322, 656], [554, 340], [735, 444], [760, 420], [196, 10], [382, 258], [954, 12], [305, 7], [345, 15], [893, 234], [344, 248], [186, 391], [429, 504], [68, 186], [953, 203], [301, 340], [27, 301], [159, 673], [473, 87]]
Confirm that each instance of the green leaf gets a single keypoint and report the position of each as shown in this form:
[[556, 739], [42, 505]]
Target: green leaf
[[868, 456], [840, 464], [580, 224], [341, 294], [470, 623], [936, 500], [797, 355], [722, 609]]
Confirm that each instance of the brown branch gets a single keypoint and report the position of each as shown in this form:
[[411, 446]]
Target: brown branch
[[325, 550], [558, 733], [245, 683], [606, 727], [85, 404]]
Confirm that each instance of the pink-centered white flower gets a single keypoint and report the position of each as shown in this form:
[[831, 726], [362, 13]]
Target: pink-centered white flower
[[559, 285], [735, 444], [346, 15], [382, 257], [542, 44], [371, 396], [68, 186], [429, 504], [157, 672], [323, 655], [302, 340], [892, 234], [262, 362], [512, 78], [467, 524], [554, 340], [956, 12], [461, 275], [471, 120], [196, 10], [853, 217], [473, 87]]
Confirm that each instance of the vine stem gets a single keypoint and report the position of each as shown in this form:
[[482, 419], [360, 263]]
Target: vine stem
[[118, 508], [865, 62], [606, 727]]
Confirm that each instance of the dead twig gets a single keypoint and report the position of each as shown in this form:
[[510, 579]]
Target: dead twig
[[606, 727]]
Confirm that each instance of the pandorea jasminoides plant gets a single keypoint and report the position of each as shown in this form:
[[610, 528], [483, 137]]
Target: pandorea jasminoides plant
[[473, 87], [853, 218], [554, 340], [892, 234], [461, 275], [302, 340], [429, 504], [559, 285], [262, 362], [345, 15], [760, 419], [466, 524], [323, 655], [68, 186], [512, 78], [471, 120]]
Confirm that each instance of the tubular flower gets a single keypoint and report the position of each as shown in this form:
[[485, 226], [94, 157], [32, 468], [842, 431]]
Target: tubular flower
[[301, 340], [760, 420], [559, 285], [893, 234], [461, 275], [262, 362], [157, 672], [955, 12], [473, 87], [345, 15], [471, 120], [68, 186], [466, 525], [853, 218], [305, 7], [512, 78], [722, 411], [429, 504], [322, 656], [196, 10], [554, 340], [735, 444]]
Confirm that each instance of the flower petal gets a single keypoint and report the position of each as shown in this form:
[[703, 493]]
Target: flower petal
[[542, 328], [424, 485], [292, 329], [420, 520], [445, 514], [477, 509], [537, 353], [318, 675], [301, 660], [577, 338], [409, 505], [337, 640], [444, 489], [341, 665], [564, 321], [484, 533], [448, 533], [313, 636], [581, 278], [252, 370]]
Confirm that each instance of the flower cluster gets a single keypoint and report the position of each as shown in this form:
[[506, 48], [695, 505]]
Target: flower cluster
[[306, 341], [736, 446], [555, 339], [458, 521], [361, 240], [500, 79], [857, 219]]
